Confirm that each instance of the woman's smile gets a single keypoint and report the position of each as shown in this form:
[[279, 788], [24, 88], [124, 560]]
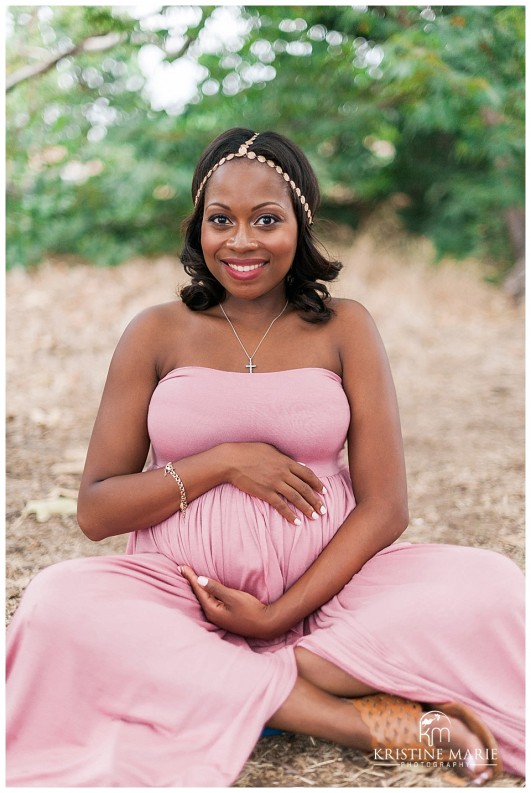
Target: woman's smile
[[244, 269]]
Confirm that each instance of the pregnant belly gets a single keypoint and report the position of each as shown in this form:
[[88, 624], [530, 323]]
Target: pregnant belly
[[243, 542]]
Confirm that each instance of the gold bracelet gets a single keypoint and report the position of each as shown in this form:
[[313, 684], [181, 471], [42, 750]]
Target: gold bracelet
[[169, 469]]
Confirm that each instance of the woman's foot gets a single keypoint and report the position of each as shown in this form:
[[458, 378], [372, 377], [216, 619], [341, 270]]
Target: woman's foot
[[467, 747], [470, 745]]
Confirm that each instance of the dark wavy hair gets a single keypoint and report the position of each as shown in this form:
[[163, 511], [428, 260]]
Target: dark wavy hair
[[310, 265]]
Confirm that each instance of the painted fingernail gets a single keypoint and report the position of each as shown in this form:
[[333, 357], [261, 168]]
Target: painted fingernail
[[324, 491], [202, 580], [297, 522], [314, 515], [323, 510], [180, 569]]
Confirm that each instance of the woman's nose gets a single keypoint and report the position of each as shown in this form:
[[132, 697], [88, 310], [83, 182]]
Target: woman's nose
[[242, 238]]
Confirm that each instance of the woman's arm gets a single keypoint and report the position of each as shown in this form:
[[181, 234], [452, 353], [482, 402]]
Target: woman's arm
[[116, 496], [377, 469]]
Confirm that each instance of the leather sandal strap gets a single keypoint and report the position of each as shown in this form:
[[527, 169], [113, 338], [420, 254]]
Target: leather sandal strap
[[393, 722]]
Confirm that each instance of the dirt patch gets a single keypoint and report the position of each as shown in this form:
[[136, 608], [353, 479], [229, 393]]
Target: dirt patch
[[457, 351]]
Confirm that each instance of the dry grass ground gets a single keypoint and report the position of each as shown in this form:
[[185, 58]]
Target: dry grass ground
[[456, 348]]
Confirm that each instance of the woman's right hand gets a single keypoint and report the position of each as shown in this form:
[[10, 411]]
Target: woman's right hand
[[260, 470]]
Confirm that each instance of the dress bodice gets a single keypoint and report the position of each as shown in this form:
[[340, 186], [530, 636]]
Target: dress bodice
[[302, 412]]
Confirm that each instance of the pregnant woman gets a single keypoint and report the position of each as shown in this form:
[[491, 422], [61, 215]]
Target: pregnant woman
[[262, 584]]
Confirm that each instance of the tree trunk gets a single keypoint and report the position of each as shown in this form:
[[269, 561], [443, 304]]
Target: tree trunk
[[514, 283]]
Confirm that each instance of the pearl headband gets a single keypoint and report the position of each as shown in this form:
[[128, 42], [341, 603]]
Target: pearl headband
[[243, 151]]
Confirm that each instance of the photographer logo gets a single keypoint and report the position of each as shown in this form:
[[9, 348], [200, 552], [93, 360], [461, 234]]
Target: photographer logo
[[434, 748], [434, 727]]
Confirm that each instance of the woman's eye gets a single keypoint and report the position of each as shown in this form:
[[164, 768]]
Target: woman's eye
[[266, 220], [219, 220]]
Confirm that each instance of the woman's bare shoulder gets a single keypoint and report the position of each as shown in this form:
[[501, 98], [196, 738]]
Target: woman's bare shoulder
[[358, 340], [151, 332], [155, 323], [350, 313]]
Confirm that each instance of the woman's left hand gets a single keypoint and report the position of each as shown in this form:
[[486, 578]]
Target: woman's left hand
[[231, 609]]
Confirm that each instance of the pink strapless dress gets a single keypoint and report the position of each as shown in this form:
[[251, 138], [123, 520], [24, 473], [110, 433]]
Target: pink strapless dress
[[115, 678]]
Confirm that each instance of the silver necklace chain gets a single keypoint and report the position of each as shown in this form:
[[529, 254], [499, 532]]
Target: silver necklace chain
[[250, 366]]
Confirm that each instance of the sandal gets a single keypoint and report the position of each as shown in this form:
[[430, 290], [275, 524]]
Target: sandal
[[401, 730]]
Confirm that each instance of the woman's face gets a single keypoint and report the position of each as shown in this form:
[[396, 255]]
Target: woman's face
[[249, 229]]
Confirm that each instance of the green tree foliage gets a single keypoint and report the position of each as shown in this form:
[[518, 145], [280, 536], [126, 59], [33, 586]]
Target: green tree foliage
[[417, 106]]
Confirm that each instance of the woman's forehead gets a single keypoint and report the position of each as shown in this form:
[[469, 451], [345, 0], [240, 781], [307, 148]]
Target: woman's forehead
[[246, 180]]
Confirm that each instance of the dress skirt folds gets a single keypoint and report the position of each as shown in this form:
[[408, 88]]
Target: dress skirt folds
[[115, 678]]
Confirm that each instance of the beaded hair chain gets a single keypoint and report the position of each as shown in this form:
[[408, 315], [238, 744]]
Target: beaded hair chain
[[243, 151]]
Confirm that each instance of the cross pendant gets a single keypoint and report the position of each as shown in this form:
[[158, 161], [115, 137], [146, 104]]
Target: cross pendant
[[250, 366]]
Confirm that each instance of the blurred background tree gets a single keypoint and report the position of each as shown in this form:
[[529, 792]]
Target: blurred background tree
[[416, 108]]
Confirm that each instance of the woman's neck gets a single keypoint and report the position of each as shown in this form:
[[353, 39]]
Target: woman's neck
[[262, 308]]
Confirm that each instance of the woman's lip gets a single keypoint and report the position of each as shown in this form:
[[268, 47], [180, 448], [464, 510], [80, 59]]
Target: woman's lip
[[244, 275]]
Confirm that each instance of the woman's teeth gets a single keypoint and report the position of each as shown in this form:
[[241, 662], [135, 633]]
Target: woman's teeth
[[246, 267]]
